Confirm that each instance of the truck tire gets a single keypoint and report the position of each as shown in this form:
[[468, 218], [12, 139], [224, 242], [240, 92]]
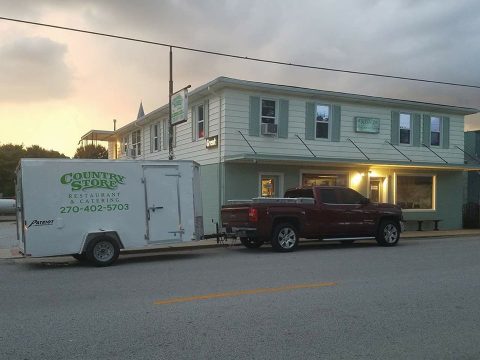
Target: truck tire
[[251, 243], [388, 233], [102, 251], [285, 238]]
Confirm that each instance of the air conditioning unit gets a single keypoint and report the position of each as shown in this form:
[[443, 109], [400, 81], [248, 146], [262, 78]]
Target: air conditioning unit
[[269, 129]]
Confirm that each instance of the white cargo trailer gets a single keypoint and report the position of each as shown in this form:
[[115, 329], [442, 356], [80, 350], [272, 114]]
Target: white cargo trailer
[[91, 209]]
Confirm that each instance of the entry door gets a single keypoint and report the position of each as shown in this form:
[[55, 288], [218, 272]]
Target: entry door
[[162, 198], [376, 190]]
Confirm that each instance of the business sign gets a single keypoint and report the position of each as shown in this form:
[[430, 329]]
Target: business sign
[[211, 142], [179, 107], [367, 125]]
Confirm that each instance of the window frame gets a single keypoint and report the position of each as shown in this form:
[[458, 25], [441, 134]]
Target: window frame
[[440, 134], [125, 143], [275, 117], [410, 138], [198, 121], [136, 146], [326, 173], [329, 122], [155, 142], [280, 177], [434, 190]]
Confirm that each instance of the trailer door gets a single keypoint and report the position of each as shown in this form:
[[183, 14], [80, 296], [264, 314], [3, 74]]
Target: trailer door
[[162, 199]]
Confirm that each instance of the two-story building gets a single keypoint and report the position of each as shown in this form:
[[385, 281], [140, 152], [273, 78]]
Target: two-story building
[[257, 139]]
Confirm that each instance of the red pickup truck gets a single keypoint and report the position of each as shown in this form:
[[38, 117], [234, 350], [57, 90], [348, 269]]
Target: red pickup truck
[[320, 212]]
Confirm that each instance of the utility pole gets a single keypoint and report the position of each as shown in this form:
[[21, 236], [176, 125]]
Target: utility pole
[[170, 127]]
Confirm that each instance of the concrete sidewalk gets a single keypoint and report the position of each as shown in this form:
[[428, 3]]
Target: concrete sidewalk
[[14, 253]]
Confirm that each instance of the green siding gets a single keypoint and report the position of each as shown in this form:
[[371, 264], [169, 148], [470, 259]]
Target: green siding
[[310, 121], [395, 129], [283, 119], [209, 175], [254, 120]]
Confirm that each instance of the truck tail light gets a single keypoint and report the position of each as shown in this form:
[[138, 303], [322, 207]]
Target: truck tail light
[[253, 215]]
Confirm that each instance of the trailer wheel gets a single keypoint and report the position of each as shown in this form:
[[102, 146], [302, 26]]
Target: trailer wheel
[[285, 238], [251, 243], [102, 251]]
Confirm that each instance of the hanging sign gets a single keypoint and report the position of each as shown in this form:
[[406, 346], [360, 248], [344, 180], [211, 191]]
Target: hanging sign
[[367, 125], [179, 107]]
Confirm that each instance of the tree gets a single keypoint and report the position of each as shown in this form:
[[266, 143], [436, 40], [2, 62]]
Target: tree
[[10, 155], [91, 151]]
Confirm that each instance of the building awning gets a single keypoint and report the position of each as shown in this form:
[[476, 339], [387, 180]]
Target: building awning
[[98, 135], [347, 163]]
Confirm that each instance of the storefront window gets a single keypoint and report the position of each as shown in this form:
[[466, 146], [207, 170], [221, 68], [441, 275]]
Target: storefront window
[[269, 186], [324, 180], [415, 192]]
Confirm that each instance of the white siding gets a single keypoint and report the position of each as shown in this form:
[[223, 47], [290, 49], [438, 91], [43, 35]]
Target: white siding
[[373, 145]]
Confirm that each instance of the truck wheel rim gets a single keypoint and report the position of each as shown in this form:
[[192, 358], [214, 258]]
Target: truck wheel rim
[[287, 238], [390, 233], [103, 251]]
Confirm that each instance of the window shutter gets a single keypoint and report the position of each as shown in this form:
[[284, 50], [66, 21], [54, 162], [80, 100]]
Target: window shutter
[[194, 123], [416, 126], [395, 129], [336, 118], [254, 122], [206, 117], [426, 130], [309, 121], [165, 134], [283, 119], [446, 132]]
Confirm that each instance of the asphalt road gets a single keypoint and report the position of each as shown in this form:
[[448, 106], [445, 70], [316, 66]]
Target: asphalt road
[[419, 300]]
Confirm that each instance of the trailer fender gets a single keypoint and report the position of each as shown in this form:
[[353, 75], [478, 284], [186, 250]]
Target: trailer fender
[[93, 235]]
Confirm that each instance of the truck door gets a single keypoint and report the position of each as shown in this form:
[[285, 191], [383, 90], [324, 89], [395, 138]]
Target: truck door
[[162, 199]]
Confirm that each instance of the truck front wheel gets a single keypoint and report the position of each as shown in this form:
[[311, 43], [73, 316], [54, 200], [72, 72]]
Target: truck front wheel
[[388, 233], [285, 238], [251, 243], [102, 251]]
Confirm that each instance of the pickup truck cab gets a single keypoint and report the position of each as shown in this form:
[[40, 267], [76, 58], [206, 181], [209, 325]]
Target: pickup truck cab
[[320, 212]]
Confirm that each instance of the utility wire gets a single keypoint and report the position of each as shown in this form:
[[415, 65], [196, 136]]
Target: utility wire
[[241, 57]]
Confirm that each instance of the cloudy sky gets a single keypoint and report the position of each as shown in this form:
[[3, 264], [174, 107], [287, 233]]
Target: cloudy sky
[[57, 85]]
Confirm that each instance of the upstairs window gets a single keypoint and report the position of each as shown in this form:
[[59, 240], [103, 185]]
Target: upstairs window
[[155, 138], [405, 129], [435, 131], [136, 144], [200, 122], [125, 145], [268, 111], [322, 118]]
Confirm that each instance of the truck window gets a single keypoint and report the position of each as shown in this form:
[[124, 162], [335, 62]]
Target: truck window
[[349, 196], [328, 196]]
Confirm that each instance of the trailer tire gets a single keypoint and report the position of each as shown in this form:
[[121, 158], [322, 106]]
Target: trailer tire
[[102, 251], [251, 243], [285, 238]]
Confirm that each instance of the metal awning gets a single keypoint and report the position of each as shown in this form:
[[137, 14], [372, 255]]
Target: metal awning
[[348, 163], [98, 135]]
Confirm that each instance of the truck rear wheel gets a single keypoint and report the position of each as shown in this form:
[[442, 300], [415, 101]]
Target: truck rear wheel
[[102, 251], [251, 243], [388, 233], [285, 238]]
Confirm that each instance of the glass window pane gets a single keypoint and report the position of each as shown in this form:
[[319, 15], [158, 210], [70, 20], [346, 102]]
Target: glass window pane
[[268, 108], [324, 180], [435, 124], [328, 196], [404, 136], [269, 186], [322, 130], [405, 121], [415, 192], [349, 196], [323, 113], [435, 138]]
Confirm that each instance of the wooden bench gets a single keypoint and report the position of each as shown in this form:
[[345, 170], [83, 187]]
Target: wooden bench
[[420, 222]]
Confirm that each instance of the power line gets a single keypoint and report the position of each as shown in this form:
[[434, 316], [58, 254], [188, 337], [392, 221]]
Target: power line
[[242, 57]]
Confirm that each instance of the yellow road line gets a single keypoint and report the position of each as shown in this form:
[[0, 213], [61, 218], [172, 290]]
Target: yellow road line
[[244, 292]]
